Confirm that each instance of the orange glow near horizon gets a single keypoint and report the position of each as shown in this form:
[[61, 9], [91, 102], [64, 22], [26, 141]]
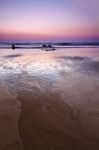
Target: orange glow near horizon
[[62, 35], [48, 19]]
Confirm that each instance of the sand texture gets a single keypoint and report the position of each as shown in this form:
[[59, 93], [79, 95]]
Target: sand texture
[[49, 100]]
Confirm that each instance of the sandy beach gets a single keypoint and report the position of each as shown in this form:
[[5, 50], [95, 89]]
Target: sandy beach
[[9, 115], [49, 100]]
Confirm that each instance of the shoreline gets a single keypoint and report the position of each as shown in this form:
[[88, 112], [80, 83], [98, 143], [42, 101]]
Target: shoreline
[[56, 47]]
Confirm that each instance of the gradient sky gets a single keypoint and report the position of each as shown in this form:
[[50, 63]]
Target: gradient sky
[[49, 19]]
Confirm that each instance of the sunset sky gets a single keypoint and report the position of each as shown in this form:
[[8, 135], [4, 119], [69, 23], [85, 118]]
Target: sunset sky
[[61, 20]]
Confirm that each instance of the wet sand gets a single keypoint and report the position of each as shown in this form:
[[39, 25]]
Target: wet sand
[[9, 115], [52, 99]]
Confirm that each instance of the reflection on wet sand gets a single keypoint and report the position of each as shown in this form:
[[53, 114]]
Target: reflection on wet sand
[[59, 99]]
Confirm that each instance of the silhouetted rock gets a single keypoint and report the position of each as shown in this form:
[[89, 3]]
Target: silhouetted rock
[[53, 49], [48, 47], [44, 46], [13, 46]]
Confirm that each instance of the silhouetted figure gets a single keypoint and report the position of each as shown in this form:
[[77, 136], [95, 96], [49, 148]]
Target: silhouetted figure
[[13, 47]]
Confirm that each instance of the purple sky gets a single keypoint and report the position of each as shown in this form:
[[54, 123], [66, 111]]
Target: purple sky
[[49, 19]]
